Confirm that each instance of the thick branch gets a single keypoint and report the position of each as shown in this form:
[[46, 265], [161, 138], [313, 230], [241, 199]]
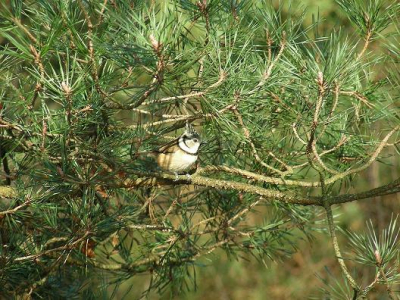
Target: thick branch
[[258, 177], [161, 179], [215, 183], [391, 188]]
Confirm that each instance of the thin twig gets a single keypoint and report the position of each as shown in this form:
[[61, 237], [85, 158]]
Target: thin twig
[[358, 96], [253, 147], [314, 124], [378, 259], [244, 211], [368, 163], [366, 43], [367, 289], [95, 73], [177, 118], [336, 247], [102, 12], [15, 209], [221, 78], [61, 248], [24, 29], [271, 65], [297, 134], [333, 108]]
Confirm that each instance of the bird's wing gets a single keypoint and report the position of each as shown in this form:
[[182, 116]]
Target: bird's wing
[[170, 147]]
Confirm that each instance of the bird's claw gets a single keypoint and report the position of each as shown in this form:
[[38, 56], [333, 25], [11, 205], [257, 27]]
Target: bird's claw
[[188, 176], [176, 176]]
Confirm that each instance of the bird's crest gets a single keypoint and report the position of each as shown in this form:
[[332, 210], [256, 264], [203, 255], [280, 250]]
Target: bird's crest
[[189, 130]]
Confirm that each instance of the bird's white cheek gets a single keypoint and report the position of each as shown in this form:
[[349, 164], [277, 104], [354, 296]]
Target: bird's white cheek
[[192, 149]]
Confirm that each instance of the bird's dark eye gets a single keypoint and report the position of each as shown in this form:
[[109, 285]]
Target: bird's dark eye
[[195, 140]]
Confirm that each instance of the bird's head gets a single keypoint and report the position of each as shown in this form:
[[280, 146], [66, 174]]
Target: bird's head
[[190, 140]]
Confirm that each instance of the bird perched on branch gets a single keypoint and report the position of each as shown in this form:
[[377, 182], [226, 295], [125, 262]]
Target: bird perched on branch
[[180, 155]]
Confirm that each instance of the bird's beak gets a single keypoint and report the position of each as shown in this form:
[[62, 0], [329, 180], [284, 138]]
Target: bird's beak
[[203, 143]]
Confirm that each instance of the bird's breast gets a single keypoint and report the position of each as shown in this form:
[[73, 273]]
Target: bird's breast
[[177, 161]]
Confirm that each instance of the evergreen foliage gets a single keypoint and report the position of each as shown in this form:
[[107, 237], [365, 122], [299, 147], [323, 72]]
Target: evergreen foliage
[[291, 116]]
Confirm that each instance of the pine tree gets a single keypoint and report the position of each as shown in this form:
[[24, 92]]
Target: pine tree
[[291, 115]]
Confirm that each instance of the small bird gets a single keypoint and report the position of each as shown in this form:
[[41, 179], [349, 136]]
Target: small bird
[[180, 154]]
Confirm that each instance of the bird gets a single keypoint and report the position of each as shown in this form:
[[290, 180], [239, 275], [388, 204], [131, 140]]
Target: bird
[[179, 155]]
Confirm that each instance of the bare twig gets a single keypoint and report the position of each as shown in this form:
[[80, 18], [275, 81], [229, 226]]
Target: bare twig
[[342, 141], [367, 41], [336, 247], [372, 158], [24, 29], [244, 211], [271, 65], [321, 93], [378, 259], [254, 150], [177, 118], [221, 78], [170, 209], [61, 248], [358, 96], [269, 44], [95, 73], [297, 134], [333, 108], [215, 183], [17, 208], [157, 79], [101, 15], [156, 260], [367, 289]]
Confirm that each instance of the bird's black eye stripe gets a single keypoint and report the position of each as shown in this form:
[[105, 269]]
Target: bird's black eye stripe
[[185, 138]]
